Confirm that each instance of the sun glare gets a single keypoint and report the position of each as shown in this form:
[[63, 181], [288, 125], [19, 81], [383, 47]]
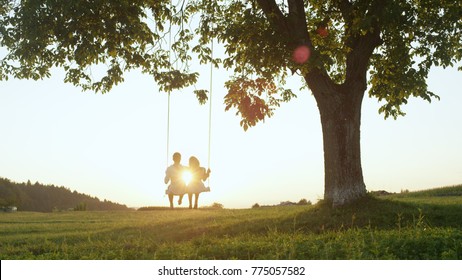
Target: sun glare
[[187, 176]]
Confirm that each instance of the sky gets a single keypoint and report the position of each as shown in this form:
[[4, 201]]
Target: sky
[[114, 146]]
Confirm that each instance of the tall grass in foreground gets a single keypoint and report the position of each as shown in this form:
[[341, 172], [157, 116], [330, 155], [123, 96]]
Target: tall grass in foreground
[[394, 227]]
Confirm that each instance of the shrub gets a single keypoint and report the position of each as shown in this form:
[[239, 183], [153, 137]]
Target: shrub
[[215, 205], [303, 201]]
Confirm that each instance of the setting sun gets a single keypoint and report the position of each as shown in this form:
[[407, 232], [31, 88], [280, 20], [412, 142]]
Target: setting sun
[[187, 176]]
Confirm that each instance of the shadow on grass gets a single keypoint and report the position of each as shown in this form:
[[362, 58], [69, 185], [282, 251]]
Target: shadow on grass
[[379, 213], [370, 228], [367, 213]]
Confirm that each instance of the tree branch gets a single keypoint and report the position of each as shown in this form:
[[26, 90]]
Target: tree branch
[[294, 27], [345, 8], [362, 48], [274, 15], [297, 23]]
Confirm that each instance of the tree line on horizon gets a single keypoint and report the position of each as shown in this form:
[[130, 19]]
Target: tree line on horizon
[[48, 198]]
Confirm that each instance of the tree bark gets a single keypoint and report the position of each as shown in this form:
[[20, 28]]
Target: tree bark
[[340, 110], [341, 121]]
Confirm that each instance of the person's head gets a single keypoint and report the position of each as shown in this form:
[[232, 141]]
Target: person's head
[[176, 157], [193, 162]]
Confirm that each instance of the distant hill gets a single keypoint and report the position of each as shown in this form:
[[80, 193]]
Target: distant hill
[[48, 198], [435, 192]]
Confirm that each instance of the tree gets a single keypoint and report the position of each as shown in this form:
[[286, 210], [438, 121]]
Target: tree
[[337, 47]]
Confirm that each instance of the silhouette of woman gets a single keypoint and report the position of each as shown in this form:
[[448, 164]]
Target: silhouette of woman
[[196, 185]]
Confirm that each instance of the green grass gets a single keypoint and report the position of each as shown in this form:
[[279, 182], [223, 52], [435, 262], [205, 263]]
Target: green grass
[[421, 225]]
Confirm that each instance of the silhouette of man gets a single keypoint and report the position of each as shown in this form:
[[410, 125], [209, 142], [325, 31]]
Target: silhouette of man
[[174, 174]]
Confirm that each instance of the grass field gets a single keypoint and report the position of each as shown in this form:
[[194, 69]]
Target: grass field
[[420, 225]]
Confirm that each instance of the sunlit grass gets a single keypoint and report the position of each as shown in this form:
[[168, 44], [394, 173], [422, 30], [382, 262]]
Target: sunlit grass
[[391, 227]]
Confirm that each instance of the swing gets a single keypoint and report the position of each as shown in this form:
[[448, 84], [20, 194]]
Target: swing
[[200, 173], [187, 176]]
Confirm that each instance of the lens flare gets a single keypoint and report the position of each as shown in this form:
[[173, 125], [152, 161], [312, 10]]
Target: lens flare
[[187, 176], [301, 54]]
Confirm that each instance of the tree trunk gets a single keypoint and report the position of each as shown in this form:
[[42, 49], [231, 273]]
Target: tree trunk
[[339, 104], [340, 109]]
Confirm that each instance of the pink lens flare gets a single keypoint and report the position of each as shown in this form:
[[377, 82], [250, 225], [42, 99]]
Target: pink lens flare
[[301, 54]]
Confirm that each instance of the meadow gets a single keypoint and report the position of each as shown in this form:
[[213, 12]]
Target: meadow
[[414, 225]]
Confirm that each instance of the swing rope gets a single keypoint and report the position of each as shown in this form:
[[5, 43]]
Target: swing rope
[[210, 104], [168, 129], [210, 97], [210, 110], [168, 95]]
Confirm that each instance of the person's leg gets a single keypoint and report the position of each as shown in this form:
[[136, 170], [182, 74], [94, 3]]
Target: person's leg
[[190, 200], [196, 200], [170, 198], [180, 199]]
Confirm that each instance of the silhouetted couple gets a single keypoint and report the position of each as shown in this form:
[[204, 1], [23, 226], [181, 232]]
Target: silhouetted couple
[[176, 175]]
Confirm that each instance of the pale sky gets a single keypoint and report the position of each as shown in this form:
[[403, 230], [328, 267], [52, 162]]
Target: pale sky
[[113, 146]]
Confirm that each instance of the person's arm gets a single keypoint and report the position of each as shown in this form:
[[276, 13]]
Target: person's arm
[[167, 177], [206, 174]]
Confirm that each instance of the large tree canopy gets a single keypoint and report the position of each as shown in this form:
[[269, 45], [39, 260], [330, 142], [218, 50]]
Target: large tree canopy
[[76, 35], [337, 47]]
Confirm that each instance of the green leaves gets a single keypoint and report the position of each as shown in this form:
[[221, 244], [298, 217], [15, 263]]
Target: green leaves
[[201, 96], [254, 100], [175, 79], [416, 36], [97, 41]]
